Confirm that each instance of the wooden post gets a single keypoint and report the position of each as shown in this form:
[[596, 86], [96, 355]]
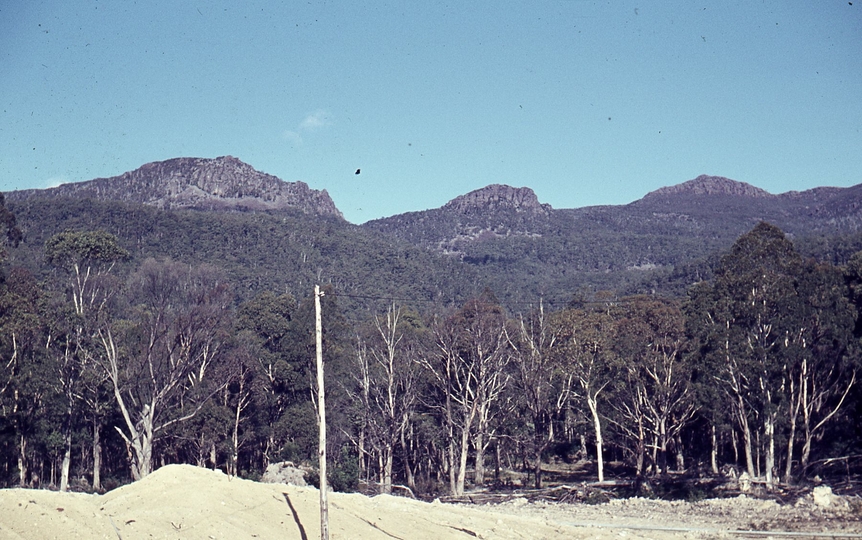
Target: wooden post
[[321, 417]]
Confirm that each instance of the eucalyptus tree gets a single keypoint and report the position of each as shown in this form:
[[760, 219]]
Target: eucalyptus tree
[[387, 364], [22, 376], [470, 374], [25, 376], [752, 301], [240, 371], [158, 360], [280, 386], [655, 399], [826, 355], [775, 331], [87, 258], [585, 352], [543, 387]]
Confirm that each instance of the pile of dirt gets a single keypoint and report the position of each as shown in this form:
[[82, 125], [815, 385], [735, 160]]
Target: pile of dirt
[[182, 501]]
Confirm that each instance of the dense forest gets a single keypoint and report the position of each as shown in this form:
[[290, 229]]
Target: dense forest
[[116, 361]]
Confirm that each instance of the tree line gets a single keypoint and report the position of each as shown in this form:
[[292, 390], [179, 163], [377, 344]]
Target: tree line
[[112, 368]]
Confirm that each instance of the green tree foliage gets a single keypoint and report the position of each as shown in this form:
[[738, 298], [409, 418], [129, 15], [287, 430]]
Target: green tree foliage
[[767, 324], [87, 257], [758, 366], [281, 381], [259, 252], [26, 376], [9, 224]]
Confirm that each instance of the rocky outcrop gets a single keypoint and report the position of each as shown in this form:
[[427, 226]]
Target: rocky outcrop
[[499, 197], [223, 183], [284, 472], [492, 212], [711, 185]]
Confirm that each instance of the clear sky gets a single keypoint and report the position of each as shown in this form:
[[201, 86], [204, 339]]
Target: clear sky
[[586, 102]]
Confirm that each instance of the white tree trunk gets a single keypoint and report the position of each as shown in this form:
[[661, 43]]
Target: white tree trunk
[[386, 486], [479, 471], [67, 459], [769, 431], [746, 437], [22, 461], [462, 462], [714, 452], [597, 426], [97, 455]]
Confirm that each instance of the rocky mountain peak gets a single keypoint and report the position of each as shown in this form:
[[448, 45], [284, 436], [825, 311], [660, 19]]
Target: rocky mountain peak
[[223, 183], [499, 197], [711, 185]]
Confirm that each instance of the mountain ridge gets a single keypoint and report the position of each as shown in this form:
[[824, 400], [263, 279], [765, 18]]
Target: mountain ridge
[[498, 236], [659, 242], [227, 183], [222, 183]]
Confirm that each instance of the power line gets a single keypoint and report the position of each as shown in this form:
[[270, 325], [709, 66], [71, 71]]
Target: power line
[[460, 299]]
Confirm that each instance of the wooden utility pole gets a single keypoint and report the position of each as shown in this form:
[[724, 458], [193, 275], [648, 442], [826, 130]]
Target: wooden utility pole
[[321, 417]]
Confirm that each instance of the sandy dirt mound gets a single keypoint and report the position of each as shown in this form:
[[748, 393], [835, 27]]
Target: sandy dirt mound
[[182, 501]]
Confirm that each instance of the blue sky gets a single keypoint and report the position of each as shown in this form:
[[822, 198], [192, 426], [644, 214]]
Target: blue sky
[[586, 102]]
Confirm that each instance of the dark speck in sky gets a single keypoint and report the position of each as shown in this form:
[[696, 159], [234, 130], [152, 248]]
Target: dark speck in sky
[[357, 171]]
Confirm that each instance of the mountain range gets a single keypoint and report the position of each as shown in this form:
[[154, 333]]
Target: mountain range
[[283, 235]]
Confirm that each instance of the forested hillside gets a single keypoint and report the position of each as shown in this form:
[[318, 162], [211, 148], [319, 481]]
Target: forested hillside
[[662, 243], [133, 336], [285, 252]]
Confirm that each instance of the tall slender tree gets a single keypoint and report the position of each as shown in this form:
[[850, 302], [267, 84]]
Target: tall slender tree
[[585, 350], [24, 373], [87, 258], [387, 375], [470, 375], [542, 385]]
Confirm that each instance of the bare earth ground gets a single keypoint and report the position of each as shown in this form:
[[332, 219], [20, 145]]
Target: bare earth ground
[[186, 502]]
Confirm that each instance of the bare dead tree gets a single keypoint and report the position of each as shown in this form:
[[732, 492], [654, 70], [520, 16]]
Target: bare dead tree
[[469, 372], [543, 387], [166, 349], [386, 377]]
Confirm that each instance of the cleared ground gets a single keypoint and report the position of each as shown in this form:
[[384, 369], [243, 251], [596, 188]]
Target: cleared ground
[[182, 501]]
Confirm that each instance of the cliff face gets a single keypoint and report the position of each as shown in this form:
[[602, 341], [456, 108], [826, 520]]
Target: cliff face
[[499, 197], [223, 183]]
